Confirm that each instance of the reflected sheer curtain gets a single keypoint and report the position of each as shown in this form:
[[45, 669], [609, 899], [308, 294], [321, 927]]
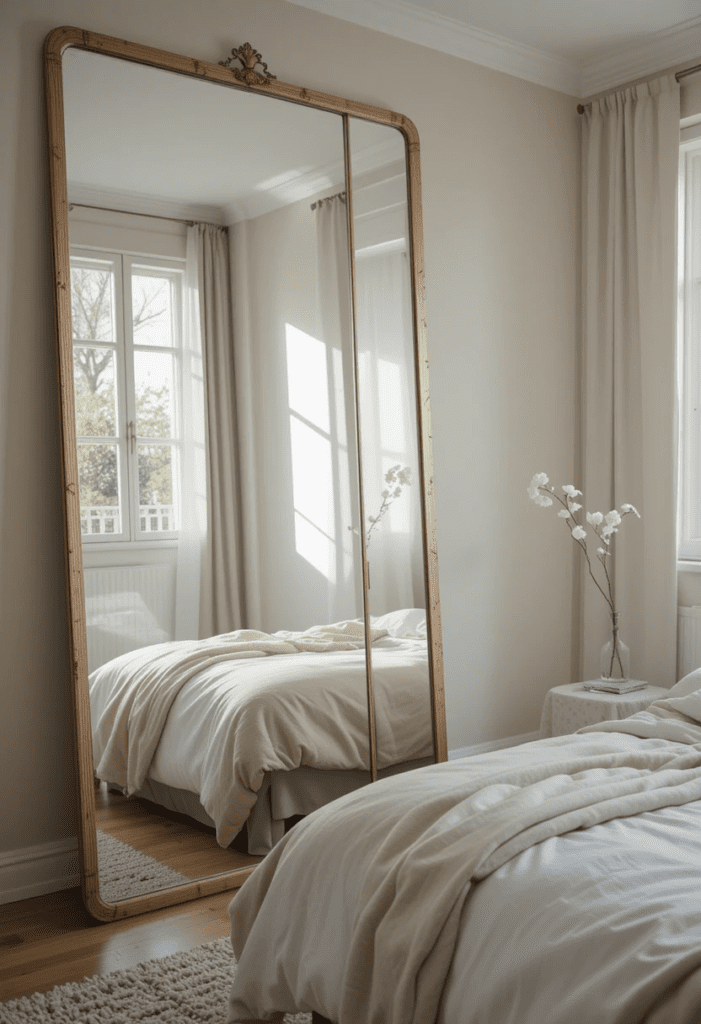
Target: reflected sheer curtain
[[630, 159], [208, 580], [387, 420], [333, 278]]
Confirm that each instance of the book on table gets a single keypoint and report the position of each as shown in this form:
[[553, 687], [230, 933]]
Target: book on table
[[611, 686]]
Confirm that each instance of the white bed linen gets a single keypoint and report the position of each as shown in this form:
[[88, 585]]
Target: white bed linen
[[360, 911], [217, 722]]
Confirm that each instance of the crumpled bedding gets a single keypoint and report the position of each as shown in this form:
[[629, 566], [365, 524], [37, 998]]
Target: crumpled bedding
[[227, 711], [357, 913]]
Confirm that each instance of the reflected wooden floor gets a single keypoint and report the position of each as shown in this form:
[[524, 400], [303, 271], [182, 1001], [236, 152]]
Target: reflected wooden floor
[[51, 940], [171, 838]]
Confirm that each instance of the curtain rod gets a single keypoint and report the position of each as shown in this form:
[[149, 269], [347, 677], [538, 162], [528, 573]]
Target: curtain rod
[[339, 195], [131, 213], [679, 75]]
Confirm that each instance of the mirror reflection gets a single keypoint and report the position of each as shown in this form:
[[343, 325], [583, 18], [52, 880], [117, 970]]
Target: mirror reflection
[[218, 399]]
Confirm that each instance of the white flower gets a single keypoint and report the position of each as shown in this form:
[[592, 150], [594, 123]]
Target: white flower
[[563, 513], [570, 490], [539, 480], [595, 518], [404, 475], [579, 533], [630, 508], [612, 518], [542, 499], [601, 551], [574, 506]]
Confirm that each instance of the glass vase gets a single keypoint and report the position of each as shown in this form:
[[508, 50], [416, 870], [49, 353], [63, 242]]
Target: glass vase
[[615, 656]]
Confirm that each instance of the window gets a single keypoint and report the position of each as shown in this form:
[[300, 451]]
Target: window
[[127, 354]]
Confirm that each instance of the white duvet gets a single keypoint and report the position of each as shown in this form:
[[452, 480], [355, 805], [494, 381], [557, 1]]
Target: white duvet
[[214, 716], [553, 883]]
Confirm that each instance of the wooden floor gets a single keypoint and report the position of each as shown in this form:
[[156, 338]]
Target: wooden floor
[[171, 838], [50, 940]]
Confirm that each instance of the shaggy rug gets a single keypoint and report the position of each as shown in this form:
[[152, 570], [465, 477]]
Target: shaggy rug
[[183, 988], [126, 872]]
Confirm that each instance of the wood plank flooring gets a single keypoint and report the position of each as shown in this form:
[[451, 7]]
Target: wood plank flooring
[[50, 940], [169, 837]]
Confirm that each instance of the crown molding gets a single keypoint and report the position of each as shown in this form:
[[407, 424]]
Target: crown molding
[[663, 50], [439, 32]]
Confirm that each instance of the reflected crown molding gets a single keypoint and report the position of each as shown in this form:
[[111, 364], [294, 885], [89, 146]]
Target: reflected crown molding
[[136, 202]]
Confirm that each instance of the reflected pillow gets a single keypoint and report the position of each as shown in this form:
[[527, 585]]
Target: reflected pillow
[[404, 622]]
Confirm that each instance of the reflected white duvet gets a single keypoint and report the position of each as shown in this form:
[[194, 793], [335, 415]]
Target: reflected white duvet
[[214, 716], [553, 883]]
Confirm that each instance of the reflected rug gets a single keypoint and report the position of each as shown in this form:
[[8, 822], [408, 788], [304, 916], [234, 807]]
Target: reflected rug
[[125, 872], [183, 988]]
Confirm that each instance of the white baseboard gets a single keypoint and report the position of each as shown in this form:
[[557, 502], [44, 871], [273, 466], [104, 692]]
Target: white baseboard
[[37, 870], [484, 748]]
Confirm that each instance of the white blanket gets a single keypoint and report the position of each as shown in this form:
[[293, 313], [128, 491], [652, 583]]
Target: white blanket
[[227, 712], [375, 941]]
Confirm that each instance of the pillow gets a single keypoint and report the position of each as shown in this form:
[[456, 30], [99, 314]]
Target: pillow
[[404, 622], [689, 684]]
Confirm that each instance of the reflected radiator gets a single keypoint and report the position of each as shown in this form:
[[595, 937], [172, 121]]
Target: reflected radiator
[[127, 607], [688, 639]]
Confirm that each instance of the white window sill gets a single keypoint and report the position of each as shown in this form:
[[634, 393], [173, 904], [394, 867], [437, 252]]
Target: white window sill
[[133, 545], [685, 565]]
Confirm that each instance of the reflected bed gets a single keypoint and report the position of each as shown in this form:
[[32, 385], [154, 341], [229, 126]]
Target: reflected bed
[[250, 728]]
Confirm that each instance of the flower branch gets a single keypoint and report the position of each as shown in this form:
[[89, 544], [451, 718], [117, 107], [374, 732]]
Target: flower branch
[[604, 526]]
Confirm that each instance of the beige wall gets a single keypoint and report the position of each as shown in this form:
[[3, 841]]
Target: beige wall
[[499, 165]]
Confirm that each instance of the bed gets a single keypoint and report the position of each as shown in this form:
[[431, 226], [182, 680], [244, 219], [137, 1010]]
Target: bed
[[251, 729], [552, 883]]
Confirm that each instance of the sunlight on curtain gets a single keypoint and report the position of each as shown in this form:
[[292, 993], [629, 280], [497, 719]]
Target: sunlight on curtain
[[629, 183], [387, 420]]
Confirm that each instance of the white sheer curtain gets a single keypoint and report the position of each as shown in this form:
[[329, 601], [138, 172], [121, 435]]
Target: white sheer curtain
[[630, 158], [333, 278], [208, 581], [388, 424]]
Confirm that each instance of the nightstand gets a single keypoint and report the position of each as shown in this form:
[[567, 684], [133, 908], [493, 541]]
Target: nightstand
[[568, 708]]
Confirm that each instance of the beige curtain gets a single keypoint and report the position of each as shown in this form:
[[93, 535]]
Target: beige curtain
[[221, 578], [630, 156]]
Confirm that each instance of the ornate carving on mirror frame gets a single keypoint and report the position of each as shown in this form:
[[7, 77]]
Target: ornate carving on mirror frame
[[247, 72]]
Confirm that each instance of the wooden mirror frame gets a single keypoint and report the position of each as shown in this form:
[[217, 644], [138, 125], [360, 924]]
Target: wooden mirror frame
[[243, 79]]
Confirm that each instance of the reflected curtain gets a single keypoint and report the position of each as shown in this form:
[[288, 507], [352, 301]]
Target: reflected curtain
[[333, 278], [208, 583], [629, 165], [388, 424]]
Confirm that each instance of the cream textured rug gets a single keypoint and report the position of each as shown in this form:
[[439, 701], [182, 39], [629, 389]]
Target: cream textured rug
[[125, 872], [184, 988]]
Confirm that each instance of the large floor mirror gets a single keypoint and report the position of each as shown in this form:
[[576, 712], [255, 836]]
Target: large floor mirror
[[250, 535]]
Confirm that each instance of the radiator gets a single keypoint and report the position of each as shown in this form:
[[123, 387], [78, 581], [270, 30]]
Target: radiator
[[688, 639], [127, 607]]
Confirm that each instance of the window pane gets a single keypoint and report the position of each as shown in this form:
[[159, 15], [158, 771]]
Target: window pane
[[152, 309], [156, 488], [92, 303], [98, 473], [95, 392], [154, 374]]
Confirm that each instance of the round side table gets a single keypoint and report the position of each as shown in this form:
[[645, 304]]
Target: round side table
[[568, 708]]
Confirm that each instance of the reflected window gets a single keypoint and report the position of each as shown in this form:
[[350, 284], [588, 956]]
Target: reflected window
[[127, 354]]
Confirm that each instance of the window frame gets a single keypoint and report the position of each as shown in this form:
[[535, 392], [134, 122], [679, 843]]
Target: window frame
[[127, 264]]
